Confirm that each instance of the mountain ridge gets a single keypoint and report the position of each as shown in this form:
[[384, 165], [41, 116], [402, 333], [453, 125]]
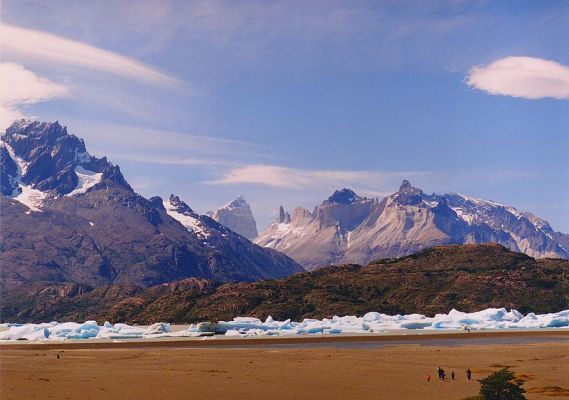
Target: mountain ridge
[[402, 223], [70, 217]]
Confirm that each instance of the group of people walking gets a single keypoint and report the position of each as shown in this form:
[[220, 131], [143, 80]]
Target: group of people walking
[[442, 374]]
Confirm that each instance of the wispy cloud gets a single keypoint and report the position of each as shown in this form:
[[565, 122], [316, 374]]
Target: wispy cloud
[[162, 146], [525, 77], [22, 87], [46, 47], [294, 178], [190, 162]]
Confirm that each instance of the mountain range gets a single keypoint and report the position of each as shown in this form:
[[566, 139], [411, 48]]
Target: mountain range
[[76, 242], [347, 228], [70, 217]]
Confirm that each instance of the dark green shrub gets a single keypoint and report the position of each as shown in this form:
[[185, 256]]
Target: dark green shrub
[[502, 385]]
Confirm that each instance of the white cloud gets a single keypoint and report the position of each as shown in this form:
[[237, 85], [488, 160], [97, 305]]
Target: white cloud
[[46, 47], [20, 87], [526, 77], [294, 178]]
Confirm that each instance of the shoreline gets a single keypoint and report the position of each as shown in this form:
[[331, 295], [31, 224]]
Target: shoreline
[[221, 341]]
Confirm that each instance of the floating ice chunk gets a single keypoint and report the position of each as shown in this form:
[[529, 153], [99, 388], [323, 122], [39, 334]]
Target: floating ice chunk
[[72, 330], [373, 316], [26, 332], [157, 329], [493, 318]]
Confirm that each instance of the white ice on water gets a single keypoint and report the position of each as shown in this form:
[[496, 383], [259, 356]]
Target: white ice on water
[[372, 322], [85, 330]]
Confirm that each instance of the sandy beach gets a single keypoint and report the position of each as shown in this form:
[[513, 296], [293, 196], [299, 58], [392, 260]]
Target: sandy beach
[[316, 368]]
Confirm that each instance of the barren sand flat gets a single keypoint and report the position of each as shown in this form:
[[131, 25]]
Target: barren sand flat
[[388, 372]]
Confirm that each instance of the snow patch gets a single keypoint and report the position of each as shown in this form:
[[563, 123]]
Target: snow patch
[[31, 198], [189, 221], [21, 164], [27, 195], [481, 202], [87, 179], [464, 215], [516, 213]]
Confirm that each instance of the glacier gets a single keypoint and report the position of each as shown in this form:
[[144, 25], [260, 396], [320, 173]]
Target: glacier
[[372, 322]]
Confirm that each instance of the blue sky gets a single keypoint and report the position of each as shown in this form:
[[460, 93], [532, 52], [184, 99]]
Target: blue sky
[[283, 102]]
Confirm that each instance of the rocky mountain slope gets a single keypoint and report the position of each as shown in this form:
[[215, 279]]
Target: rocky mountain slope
[[349, 229], [238, 217], [466, 277], [70, 217]]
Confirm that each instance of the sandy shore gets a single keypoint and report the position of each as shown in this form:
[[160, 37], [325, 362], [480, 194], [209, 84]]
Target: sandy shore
[[223, 369]]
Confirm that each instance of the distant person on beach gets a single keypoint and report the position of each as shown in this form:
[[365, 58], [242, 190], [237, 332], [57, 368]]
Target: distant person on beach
[[428, 377], [439, 371], [443, 373], [452, 375], [468, 373]]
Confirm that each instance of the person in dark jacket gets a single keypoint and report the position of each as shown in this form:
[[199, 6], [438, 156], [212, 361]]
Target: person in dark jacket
[[468, 373]]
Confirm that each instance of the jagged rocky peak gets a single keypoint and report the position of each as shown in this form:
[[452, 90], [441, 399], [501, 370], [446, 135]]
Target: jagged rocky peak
[[405, 222], [238, 217], [284, 217], [179, 205], [52, 161], [343, 196], [408, 194], [157, 202], [30, 139], [239, 202]]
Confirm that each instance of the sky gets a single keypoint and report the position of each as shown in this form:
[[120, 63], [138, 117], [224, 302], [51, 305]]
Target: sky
[[285, 102]]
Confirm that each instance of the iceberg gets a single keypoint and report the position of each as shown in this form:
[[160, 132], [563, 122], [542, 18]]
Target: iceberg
[[372, 322]]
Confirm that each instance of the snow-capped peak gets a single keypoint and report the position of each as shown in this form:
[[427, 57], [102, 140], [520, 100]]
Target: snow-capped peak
[[179, 206], [52, 161], [182, 213]]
